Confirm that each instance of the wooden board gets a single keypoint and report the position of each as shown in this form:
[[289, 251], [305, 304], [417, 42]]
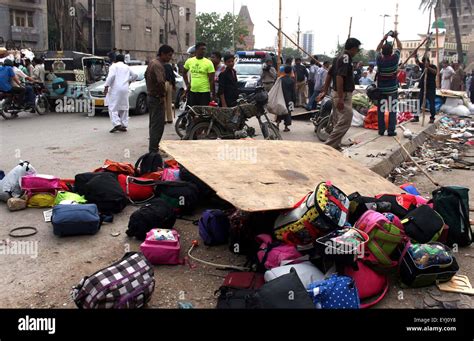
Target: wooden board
[[272, 175]]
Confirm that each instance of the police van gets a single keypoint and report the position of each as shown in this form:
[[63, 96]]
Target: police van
[[249, 67]]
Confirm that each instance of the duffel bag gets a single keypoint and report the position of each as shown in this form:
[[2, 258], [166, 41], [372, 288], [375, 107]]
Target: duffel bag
[[452, 203], [106, 193], [75, 220], [385, 236], [182, 196], [423, 225], [156, 214], [427, 264], [320, 212], [81, 180], [133, 285], [138, 190]]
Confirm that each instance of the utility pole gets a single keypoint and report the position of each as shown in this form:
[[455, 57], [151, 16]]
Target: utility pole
[[279, 38], [298, 33], [396, 18], [350, 28], [93, 27], [384, 17], [167, 21]]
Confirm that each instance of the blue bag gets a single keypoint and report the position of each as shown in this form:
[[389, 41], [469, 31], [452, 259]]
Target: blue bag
[[336, 292], [214, 227], [75, 220]]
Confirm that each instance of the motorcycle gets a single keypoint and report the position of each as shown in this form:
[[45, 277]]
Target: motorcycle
[[212, 123], [12, 105], [322, 119]]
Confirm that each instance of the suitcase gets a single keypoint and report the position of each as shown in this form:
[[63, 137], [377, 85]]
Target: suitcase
[[75, 220]]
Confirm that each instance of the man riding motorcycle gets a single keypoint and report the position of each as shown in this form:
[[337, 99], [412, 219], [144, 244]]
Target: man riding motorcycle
[[9, 82]]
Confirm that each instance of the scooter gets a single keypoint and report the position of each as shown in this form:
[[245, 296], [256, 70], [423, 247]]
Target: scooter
[[11, 104], [212, 123]]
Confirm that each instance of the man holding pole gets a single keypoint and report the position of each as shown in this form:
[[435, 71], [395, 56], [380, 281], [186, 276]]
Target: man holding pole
[[425, 66], [342, 76]]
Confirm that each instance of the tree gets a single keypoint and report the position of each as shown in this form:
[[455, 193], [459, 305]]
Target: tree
[[216, 31], [289, 52], [455, 7], [363, 56]]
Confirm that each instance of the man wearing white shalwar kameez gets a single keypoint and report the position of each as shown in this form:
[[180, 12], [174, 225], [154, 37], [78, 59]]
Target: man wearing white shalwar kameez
[[116, 90]]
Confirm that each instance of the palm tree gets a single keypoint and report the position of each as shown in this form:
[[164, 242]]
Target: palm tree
[[455, 8]]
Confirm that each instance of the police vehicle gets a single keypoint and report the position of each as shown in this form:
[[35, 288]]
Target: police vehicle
[[249, 66]]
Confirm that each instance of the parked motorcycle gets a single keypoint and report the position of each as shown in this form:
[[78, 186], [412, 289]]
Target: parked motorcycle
[[322, 119], [211, 123], [11, 105]]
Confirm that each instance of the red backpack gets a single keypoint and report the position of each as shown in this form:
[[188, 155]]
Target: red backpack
[[138, 190]]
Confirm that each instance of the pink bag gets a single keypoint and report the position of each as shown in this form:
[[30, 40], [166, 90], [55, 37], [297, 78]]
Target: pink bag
[[170, 174], [40, 182], [162, 247], [369, 283], [274, 255]]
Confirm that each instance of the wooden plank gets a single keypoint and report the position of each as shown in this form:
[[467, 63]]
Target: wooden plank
[[272, 175]]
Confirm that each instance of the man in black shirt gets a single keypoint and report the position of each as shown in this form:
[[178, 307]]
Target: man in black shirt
[[342, 76], [301, 74], [357, 72], [430, 87], [289, 93], [228, 86]]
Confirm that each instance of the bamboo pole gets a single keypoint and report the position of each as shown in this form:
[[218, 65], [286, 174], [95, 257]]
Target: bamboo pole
[[279, 38], [426, 73], [350, 29], [415, 52], [438, 82], [297, 45]]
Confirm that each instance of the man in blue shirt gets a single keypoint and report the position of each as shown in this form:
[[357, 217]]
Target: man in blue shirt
[[8, 77], [365, 79]]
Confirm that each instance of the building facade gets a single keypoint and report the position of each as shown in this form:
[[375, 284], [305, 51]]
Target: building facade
[[249, 40], [140, 26], [465, 15], [308, 42], [24, 24]]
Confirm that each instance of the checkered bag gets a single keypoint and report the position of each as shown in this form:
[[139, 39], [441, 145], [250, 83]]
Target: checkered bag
[[126, 284]]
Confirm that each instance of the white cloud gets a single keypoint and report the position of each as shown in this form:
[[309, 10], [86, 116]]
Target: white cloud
[[328, 19]]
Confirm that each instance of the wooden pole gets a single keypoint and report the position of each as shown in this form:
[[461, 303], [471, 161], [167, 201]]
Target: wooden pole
[[350, 29], [415, 52], [291, 41], [279, 38], [426, 73], [438, 82]]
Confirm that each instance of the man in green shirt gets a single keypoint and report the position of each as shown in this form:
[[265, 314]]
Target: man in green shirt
[[202, 88]]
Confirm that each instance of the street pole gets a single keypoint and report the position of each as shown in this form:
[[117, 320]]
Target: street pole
[[93, 27], [350, 29], [384, 17], [167, 4], [233, 26], [298, 33], [438, 81], [279, 38]]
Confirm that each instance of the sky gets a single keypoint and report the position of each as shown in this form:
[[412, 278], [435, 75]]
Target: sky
[[328, 19]]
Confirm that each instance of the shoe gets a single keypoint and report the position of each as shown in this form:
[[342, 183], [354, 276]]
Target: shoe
[[123, 129], [286, 130], [432, 120], [416, 119], [115, 129], [381, 133], [392, 134]]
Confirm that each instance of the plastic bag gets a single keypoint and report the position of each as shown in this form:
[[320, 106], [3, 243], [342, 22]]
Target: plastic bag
[[357, 119], [276, 100]]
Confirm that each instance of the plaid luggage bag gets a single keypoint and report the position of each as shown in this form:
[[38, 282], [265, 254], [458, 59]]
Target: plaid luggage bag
[[126, 284]]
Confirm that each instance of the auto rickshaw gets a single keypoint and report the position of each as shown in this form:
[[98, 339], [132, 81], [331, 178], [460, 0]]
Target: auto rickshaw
[[69, 73]]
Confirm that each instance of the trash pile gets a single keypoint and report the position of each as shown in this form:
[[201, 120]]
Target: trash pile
[[332, 250]]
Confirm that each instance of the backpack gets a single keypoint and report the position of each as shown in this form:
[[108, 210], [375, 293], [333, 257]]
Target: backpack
[[320, 212], [401, 204], [336, 292], [117, 168], [126, 284], [272, 255], [426, 264], [138, 190], [81, 180], [156, 214], [214, 227], [423, 225], [385, 236], [162, 247], [371, 286], [452, 203], [75, 220], [182, 196], [106, 193], [238, 290], [148, 163]]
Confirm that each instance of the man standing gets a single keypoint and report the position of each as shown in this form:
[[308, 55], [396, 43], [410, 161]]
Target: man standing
[[458, 78], [365, 79], [202, 88], [116, 93], [155, 83], [228, 85], [313, 69], [112, 55], [320, 80], [371, 73], [170, 86], [358, 72], [216, 59], [128, 58], [269, 75], [402, 76], [301, 73], [289, 93], [387, 81], [430, 88], [415, 76], [342, 76], [447, 74]]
